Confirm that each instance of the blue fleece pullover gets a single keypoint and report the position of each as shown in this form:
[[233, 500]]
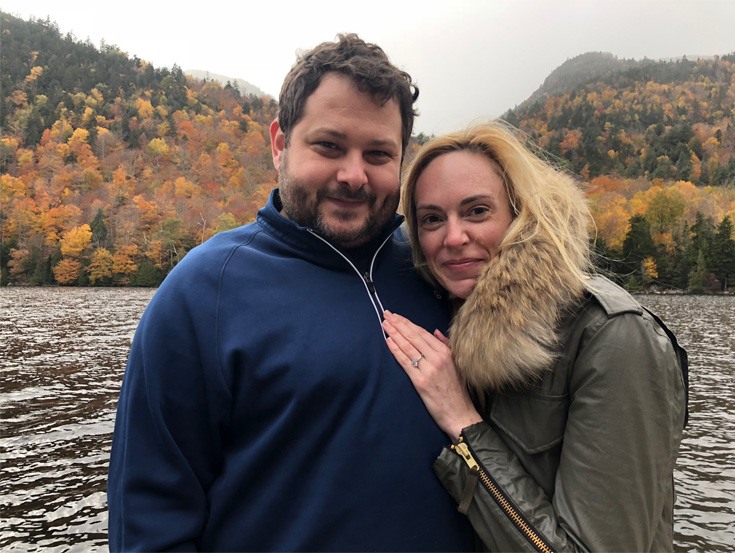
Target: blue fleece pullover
[[261, 409]]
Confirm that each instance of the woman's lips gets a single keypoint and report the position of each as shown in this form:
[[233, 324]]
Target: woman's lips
[[463, 264]]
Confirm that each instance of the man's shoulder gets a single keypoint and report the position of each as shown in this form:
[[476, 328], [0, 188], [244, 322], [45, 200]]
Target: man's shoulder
[[214, 253]]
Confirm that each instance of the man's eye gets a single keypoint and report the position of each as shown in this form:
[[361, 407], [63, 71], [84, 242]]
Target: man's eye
[[379, 155], [327, 145]]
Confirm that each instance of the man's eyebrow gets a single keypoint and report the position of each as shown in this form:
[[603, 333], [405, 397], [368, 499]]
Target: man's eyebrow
[[377, 142]]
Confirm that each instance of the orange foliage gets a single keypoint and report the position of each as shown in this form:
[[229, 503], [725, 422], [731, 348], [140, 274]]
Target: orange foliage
[[67, 271]]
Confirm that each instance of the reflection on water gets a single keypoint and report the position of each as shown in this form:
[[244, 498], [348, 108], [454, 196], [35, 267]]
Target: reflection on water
[[705, 475], [63, 355]]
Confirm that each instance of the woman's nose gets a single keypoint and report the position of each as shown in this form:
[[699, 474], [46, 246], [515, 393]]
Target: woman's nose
[[456, 234]]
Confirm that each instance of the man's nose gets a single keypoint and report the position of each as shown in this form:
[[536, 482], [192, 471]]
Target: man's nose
[[352, 171]]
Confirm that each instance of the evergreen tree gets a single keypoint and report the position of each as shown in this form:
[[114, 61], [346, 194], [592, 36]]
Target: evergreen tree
[[638, 245], [99, 229], [702, 234], [696, 277], [723, 253]]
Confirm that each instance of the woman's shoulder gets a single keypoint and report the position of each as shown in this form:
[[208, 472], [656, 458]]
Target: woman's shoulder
[[612, 299]]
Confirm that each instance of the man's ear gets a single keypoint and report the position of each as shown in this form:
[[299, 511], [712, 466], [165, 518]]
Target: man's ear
[[278, 143]]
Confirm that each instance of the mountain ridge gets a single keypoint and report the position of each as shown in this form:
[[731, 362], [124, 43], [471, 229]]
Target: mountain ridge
[[243, 86]]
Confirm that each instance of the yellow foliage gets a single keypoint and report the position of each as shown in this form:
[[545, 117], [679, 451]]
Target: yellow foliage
[[33, 76], [123, 260], [149, 211], [79, 136], [163, 129], [11, 187], [97, 96], [88, 115], [57, 219], [184, 188], [154, 252], [144, 107], [76, 240], [158, 147], [11, 143], [101, 266], [67, 270], [649, 268], [611, 218]]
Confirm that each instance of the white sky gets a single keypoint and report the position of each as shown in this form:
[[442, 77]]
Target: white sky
[[472, 59]]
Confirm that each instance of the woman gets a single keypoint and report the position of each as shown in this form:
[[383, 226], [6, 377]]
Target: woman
[[579, 392]]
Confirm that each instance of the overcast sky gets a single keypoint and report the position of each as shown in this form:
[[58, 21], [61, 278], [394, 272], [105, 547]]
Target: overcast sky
[[472, 59]]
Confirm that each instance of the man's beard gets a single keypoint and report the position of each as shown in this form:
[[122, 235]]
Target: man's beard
[[302, 207]]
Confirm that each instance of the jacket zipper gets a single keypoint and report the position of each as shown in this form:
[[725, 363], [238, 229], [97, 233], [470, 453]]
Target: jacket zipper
[[366, 277], [503, 501]]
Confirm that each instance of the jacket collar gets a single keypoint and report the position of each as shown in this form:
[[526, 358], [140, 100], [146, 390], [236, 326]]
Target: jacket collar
[[305, 243], [506, 334]]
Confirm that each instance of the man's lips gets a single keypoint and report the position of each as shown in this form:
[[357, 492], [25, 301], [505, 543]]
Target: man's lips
[[346, 203]]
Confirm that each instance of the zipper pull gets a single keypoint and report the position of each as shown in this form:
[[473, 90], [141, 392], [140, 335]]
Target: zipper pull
[[369, 282], [463, 451]]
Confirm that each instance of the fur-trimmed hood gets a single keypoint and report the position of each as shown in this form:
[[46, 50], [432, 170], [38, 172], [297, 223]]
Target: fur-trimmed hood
[[506, 332]]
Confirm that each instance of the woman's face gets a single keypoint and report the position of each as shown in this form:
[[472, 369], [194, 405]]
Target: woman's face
[[462, 211]]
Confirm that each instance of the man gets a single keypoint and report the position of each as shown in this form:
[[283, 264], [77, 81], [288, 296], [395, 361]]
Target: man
[[261, 408]]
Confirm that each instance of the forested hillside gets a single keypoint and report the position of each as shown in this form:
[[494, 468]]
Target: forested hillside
[[655, 143], [111, 169]]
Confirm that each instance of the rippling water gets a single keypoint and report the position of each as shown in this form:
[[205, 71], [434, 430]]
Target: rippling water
[[63, 354], [705, 475]]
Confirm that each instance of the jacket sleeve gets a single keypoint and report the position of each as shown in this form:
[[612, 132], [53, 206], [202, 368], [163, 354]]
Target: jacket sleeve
[[166, 443], [613, 486]]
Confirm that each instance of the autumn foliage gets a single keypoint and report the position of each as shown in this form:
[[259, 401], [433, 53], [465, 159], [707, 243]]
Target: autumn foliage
[[112, 170]]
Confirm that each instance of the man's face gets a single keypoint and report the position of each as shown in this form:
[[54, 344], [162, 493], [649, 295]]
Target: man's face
[[340, 173]]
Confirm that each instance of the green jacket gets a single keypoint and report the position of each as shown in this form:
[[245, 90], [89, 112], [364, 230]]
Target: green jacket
[[581, 458]]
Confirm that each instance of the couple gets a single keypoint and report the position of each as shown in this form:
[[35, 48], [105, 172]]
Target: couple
[[263, 407]]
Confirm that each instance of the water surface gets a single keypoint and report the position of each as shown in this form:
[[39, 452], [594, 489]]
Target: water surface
[[62, 358]]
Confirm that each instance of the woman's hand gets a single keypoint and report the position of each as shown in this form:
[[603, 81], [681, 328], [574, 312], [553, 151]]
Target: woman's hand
[[427, 360]]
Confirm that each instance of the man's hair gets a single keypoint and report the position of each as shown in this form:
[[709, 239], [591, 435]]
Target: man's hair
[[365, 64]]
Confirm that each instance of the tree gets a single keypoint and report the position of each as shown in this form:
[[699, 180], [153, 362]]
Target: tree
[[67, 271], [638, 244], [76, 241], [101, 267], [123, 263], [723, 253], [99, 229]]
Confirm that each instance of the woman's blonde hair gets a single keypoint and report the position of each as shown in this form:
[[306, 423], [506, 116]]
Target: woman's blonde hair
[[545, 199]]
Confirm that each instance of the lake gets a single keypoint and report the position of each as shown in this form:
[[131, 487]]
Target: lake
[[63, 352]]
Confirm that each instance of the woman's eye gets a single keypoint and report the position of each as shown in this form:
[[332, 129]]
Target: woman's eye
[[429, 220], [479, 211]]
